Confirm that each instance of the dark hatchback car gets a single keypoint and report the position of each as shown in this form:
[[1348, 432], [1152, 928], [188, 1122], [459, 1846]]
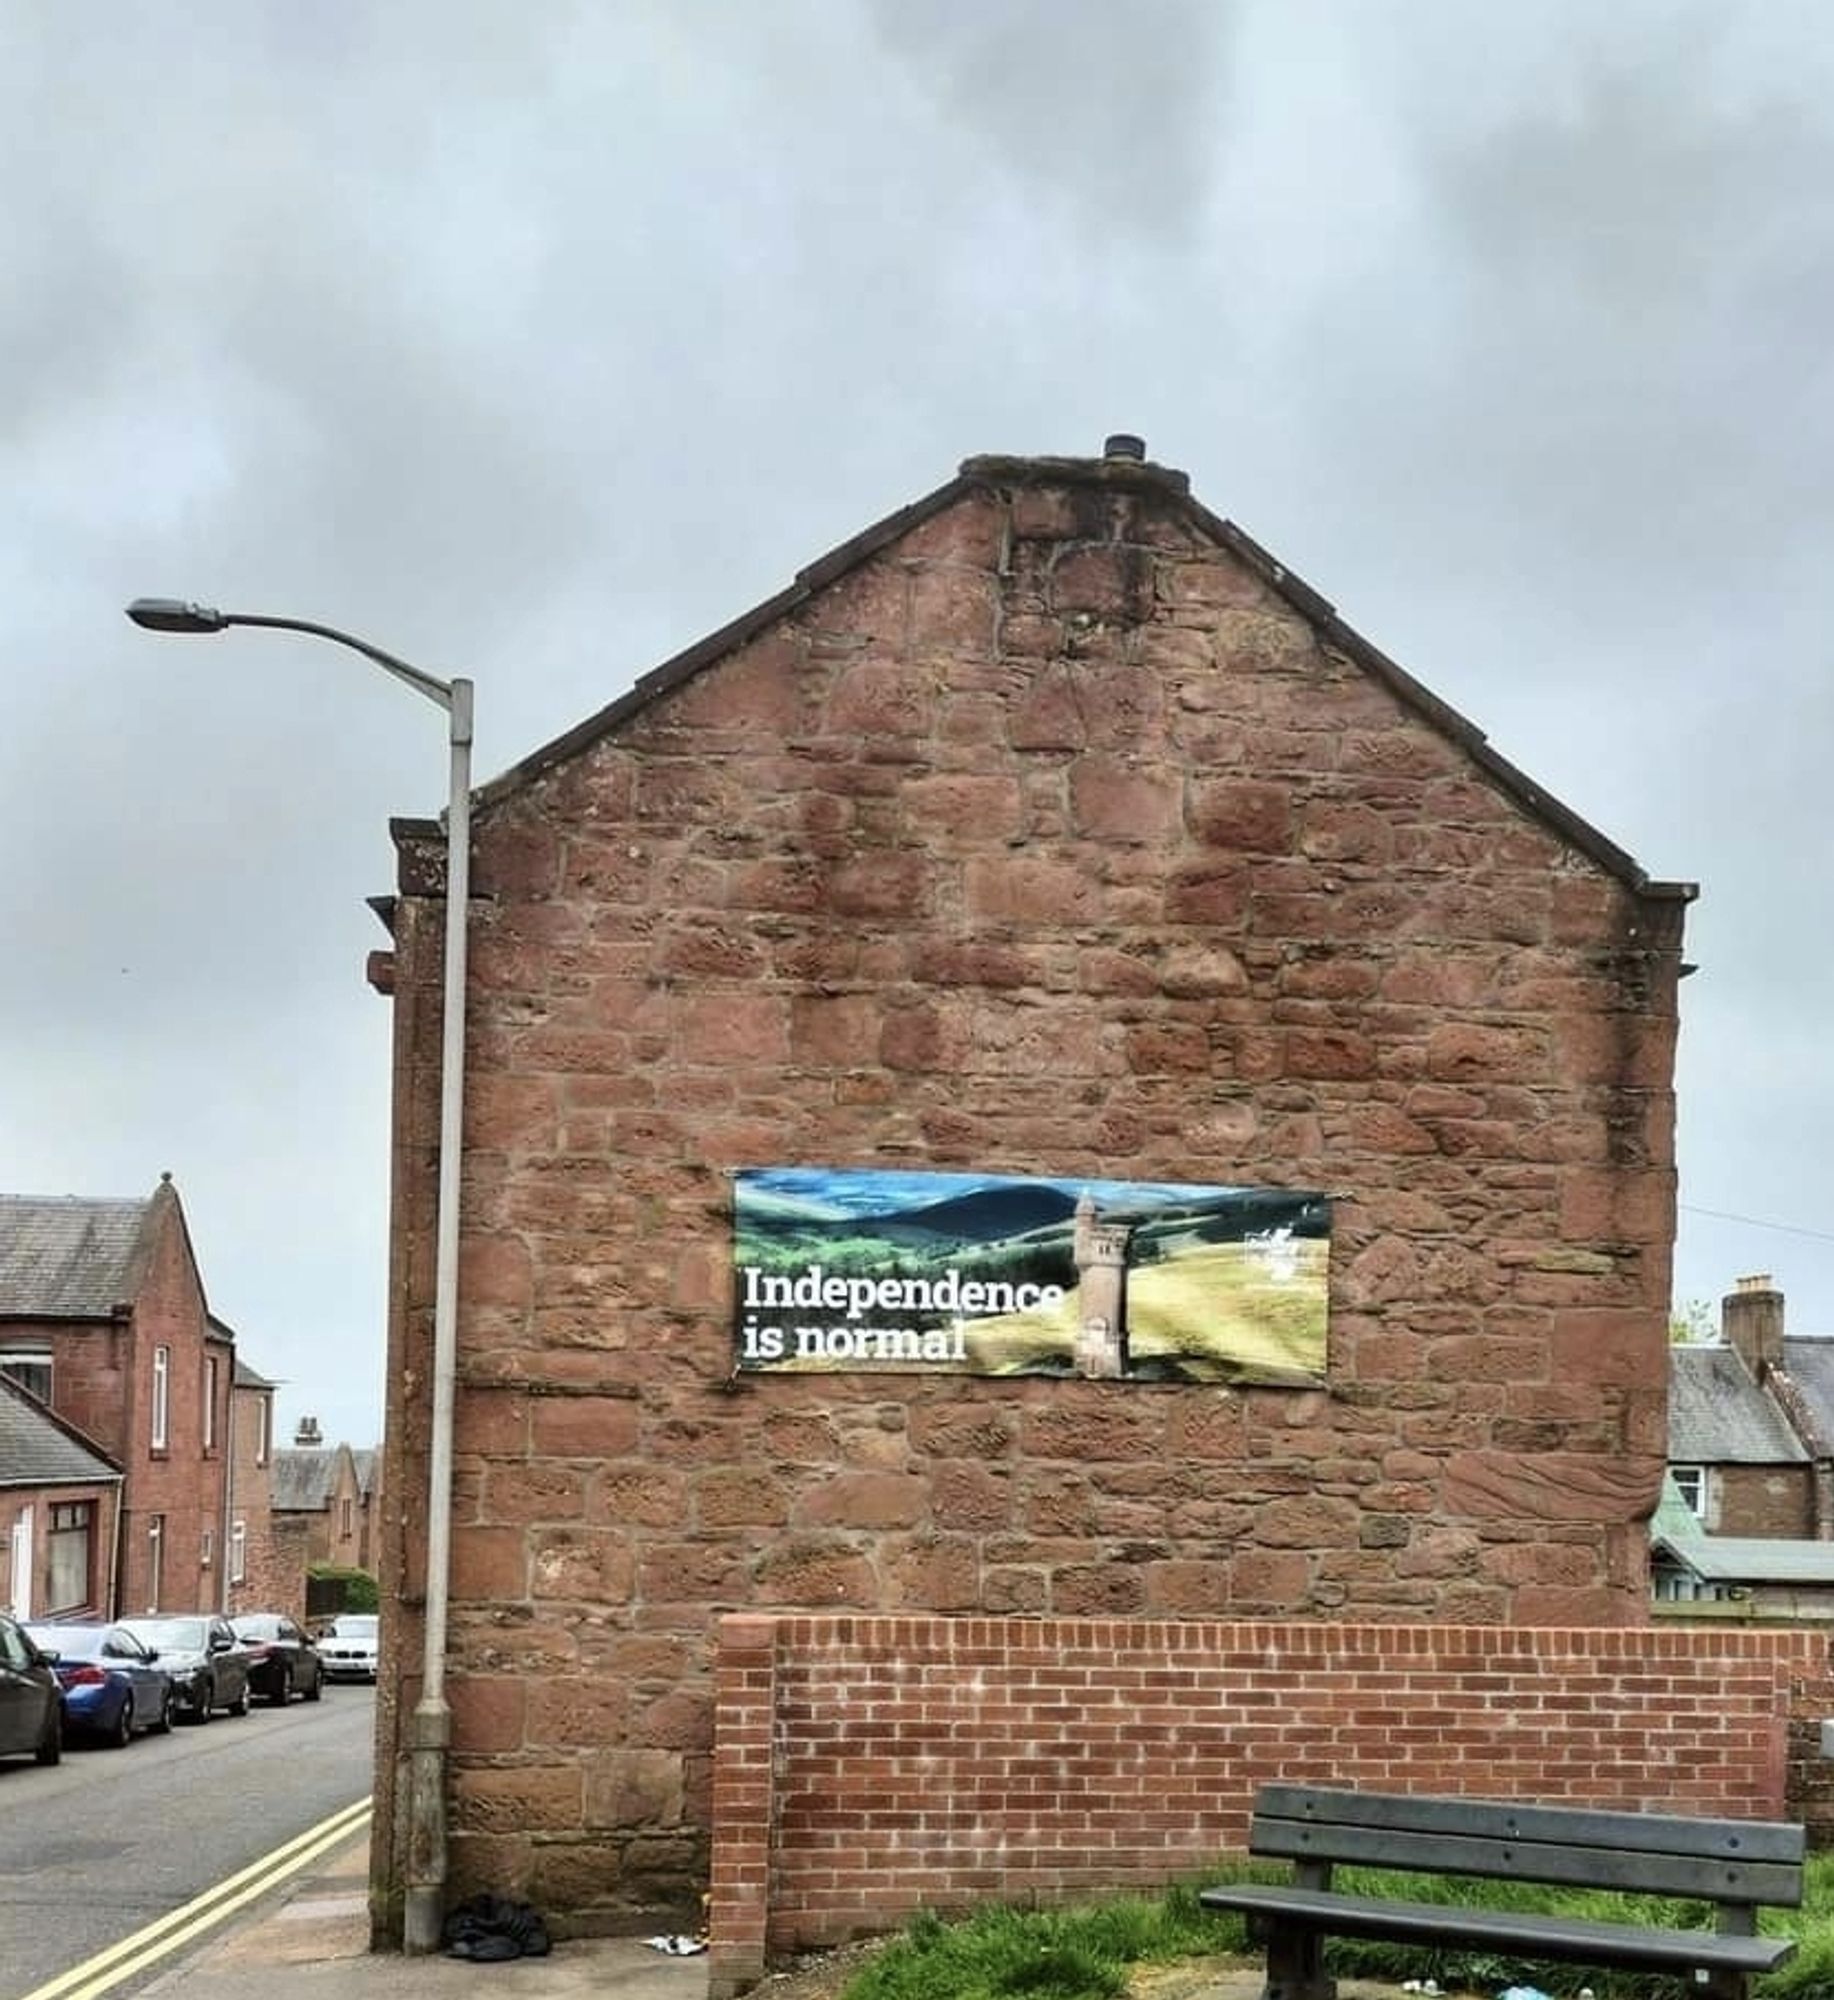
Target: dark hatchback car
[[282, 1660], [31, 1703], [207, 1662]]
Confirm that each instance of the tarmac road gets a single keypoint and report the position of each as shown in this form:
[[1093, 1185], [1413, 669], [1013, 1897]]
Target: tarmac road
[[96, 1848]]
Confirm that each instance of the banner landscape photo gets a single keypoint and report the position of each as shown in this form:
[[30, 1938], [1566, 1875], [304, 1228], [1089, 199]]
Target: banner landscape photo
[[839, 1269]]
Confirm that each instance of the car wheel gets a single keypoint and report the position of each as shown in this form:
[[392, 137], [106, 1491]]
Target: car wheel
[[122, 1733], [50, 1745], [240, 1705], [200, 1704], [316, 1686], [168, 1707], [283, 1688]]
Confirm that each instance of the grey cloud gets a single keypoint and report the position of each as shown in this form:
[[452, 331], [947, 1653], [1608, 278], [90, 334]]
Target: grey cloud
[[1109, 114], [536, 343]]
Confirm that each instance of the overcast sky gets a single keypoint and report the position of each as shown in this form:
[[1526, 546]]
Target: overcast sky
[[534, 342]]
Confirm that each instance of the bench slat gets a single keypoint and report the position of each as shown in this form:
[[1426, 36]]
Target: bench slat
[[1523, 1860], [1579, 1938], [1571, 1826]]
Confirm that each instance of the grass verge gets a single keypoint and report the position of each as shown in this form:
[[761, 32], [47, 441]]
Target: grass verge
[[1086, 1952]]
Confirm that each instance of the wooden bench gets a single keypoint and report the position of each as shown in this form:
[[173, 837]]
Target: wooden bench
[[1737, 1864]]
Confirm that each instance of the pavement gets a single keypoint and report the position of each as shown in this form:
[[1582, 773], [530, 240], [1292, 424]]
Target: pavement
[[311, 1942]]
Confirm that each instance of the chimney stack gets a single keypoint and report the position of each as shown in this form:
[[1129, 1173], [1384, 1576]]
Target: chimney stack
[[1751, 1322], [308, 1436]]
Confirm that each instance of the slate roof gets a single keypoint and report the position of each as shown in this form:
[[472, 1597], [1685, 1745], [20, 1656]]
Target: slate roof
[[246, 1377], [1735, 1559], [365, 1463], [1111, 474], [1718, 1415], [68, 1256], [1808, 1360], [300, 1481], [37, 1448]]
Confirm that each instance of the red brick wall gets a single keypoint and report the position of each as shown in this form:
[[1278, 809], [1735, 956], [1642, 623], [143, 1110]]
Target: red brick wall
[[90, 1371], [273, 1567], [1048, 838], [1765, 1500], [869, 1767], [101, 1499], [182, 1483]]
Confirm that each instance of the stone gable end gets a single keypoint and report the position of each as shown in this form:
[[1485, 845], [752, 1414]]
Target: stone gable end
[[1053, 834]]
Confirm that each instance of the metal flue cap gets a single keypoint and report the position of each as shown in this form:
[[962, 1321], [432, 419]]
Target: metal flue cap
[[1124, 444]]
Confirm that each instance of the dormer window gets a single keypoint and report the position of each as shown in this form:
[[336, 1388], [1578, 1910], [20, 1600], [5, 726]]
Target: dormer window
[[30, 1367]]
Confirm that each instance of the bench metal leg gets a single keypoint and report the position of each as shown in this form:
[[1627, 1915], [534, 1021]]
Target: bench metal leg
[[1725, 1985], [1296, 1964]]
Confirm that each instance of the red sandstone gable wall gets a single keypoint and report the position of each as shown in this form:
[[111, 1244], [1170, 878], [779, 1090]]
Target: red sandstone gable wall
[[1049, 839]]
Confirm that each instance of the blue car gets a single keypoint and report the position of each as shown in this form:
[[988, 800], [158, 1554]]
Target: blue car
[[112, 1683]]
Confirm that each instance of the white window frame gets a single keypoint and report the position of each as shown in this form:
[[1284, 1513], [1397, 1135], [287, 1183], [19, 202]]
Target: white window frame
[[32, 1360], [161, 1437], [155, 1561], [210, 1402], [72, 1521], [238, 1551], [1691, 1484]]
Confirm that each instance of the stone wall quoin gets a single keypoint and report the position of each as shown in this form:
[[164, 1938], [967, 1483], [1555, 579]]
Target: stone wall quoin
[[1051, 829]]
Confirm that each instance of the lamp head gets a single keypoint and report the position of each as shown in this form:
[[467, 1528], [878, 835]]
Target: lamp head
[[172, 614]]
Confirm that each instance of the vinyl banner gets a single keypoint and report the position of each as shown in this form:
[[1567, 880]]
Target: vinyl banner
[[988, 1274]]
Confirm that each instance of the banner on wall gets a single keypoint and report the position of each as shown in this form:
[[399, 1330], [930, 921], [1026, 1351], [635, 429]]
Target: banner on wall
[[843, 1269]]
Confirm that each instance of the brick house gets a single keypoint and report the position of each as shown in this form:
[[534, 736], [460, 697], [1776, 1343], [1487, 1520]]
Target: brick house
[[266, 1566], [58, 1500], [1049, 826], [321, 1494], [1751, 1423], [103, 1316]]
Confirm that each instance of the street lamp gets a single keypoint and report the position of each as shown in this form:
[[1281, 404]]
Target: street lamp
[[423, 1910]]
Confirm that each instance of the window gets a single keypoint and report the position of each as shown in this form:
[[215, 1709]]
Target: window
[[1691, 1484], [238, 1551], [155, 1560], [72, 1522], [346, 1520], [162, 1397], [207, 1553], [30, 1367], [264, 1428], [210, 1402]]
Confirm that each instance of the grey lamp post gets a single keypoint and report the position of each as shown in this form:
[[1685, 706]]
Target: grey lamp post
[[423, 1913]]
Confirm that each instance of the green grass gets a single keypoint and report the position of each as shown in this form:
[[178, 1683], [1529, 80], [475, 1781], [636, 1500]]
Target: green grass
[[1085, 1952]]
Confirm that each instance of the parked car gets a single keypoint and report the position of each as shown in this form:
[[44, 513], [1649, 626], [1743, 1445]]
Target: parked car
[[282, 1660], [113, 1683], [31, 1702], [207, 1662], [349, 1644]]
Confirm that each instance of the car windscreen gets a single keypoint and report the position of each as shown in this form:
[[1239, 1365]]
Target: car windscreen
[[255, 1628], [352, 1628]]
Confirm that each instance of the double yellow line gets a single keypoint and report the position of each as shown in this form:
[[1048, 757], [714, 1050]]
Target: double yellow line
[[179, 1927]]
